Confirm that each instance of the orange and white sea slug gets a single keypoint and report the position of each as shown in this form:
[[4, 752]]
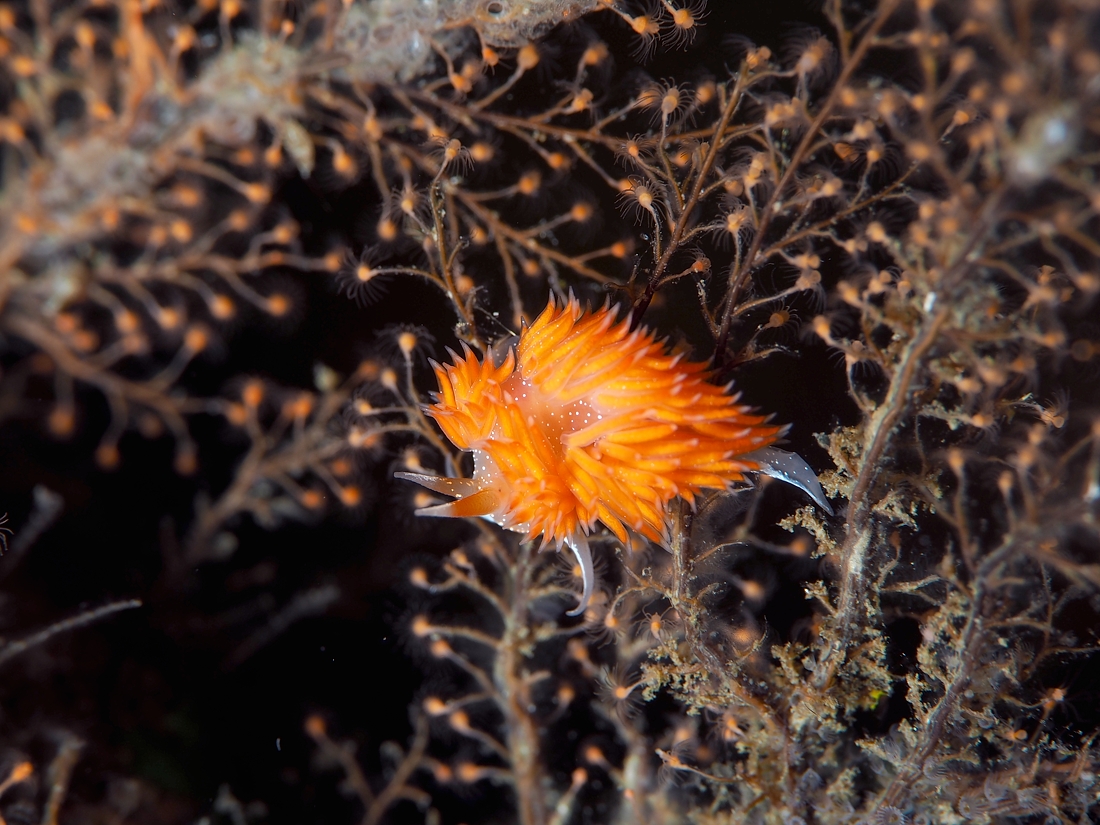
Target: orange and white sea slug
[[586, 421]]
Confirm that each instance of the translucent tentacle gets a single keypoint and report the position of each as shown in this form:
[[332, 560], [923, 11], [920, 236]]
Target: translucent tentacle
[[470, 499], [503, 348], [578, 543], [793, 469], [453, 487], [479, 504]]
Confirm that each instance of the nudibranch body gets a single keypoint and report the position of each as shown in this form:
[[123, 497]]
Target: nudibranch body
[[586, 421]]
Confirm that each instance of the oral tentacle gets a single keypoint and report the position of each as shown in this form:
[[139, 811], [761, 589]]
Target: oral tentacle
[[470, 498], [453, 487]]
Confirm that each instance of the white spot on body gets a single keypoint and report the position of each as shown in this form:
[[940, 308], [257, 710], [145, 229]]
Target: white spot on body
[[556, 419]]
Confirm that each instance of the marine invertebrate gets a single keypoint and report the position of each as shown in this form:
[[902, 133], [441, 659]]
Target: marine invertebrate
[[585, 420]]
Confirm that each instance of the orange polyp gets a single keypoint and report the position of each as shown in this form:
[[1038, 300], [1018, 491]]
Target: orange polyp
[[586, 421]]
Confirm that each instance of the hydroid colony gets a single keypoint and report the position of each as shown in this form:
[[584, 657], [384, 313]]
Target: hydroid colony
[[912, 189]]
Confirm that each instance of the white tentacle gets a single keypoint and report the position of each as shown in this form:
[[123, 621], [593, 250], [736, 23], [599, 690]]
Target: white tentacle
[[579, 545], [793, 469]]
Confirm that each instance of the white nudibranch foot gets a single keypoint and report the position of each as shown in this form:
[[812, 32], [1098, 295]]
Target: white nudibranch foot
[[793, 469]]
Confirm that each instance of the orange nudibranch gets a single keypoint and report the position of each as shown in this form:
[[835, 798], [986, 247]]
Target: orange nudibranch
[[586, 421]]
